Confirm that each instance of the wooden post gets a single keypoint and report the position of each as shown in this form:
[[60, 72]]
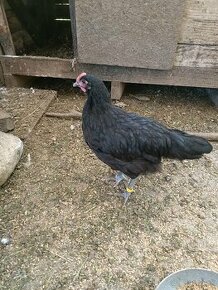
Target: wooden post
[[7, 45], [5, 34], [117, 89], [2, 80], [213, 95]]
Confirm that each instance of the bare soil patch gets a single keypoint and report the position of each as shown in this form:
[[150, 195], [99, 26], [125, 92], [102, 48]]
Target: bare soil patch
[[69, 228]]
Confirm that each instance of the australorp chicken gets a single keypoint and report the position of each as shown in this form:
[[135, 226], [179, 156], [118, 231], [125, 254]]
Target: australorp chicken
[[127, 142]]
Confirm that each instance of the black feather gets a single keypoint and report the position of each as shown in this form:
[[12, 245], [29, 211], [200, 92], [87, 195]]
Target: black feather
[[131, 143]]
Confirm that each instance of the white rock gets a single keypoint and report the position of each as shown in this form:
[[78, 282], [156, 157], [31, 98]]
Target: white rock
[[28, 162], [120, 104], [5, 241], [11, 149]]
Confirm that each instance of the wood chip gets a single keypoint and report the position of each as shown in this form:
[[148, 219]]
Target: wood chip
[[141, 98]]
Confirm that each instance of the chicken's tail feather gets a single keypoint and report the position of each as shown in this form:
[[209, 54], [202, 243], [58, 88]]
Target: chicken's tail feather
[[186, 146]]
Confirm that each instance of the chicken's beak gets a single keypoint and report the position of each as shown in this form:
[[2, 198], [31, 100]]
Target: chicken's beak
[[75, 85]]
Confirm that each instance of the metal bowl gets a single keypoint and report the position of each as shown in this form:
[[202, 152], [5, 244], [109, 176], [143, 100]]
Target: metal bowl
[[185, 276]]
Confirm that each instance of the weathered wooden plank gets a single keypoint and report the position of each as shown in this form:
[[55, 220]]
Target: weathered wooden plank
[[73, 114], [197, 56], [62, 68], [2, 80], [73, 27], [5, 35], [38, 66], [210, 136], [200, 22], [125, 33], [39, 112], [27, 107], [186, 56]]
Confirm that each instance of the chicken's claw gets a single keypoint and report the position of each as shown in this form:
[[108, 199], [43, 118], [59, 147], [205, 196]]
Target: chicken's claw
[[127, 194]]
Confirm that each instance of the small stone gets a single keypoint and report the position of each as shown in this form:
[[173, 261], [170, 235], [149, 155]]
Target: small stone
[[32, 90], [183, 201], [201, 215], [167, 178], [72, 127], [28, 162], [192, 183], [142, 98], [5, 241], [6, 122], [174, 164]]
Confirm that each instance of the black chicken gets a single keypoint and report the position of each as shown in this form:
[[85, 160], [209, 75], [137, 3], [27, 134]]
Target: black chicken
[[127, 142]]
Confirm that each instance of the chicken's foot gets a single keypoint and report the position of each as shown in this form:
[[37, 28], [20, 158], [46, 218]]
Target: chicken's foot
[[129, 189]]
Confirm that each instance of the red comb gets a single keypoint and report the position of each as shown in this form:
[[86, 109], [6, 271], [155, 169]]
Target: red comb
[[80, 76]]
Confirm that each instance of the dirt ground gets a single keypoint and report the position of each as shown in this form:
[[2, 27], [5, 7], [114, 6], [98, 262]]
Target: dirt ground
[[69, 228]]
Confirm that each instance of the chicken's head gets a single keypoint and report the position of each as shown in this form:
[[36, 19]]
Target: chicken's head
[[93, 87], [82, 82]]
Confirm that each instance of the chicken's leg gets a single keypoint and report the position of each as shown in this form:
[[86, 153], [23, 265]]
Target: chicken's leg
[[120, 176], [129, 189]]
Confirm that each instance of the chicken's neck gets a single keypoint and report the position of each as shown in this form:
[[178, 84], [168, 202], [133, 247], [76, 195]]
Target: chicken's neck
[[98, 98]]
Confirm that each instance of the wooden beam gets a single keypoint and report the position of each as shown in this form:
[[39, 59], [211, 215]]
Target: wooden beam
[[200, 22], [73, 114], [2, 80], [186, 55], [62, 68], [212, 136], [197, 56], [5, 34], [38, 66], [51, 95], [73, 27]]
